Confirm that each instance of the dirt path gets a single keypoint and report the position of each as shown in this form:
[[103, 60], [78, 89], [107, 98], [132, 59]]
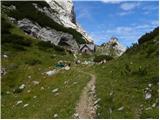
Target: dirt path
[[86, 107]]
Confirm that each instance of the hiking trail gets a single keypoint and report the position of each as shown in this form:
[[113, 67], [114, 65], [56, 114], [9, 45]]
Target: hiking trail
[[86, 107]]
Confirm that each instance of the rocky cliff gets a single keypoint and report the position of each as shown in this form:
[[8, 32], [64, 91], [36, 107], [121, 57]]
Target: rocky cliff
[[53, 21], [112, 48]]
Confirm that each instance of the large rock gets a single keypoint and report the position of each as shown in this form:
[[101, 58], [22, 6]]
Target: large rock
[[60, 26], [112, 48]]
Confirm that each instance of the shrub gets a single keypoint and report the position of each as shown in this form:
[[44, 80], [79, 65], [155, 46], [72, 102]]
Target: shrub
[[15, 39], [44, 45], [102, 57], [33, 62], [149, 36]]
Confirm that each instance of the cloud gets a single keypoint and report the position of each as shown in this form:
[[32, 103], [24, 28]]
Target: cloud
[[155, 22], [129, 6], [111, 1], [124, 13], [85, 14], [126, 34]]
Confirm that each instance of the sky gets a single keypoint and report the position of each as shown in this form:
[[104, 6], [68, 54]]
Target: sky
[[126, 20]]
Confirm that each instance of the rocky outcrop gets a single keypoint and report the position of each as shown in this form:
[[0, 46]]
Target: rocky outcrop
[[59, 27], [48, 34], [112, 48]]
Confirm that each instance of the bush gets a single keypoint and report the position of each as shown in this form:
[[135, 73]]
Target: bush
[[33, 62], [149, 36], [44, 45], [102, 57], [15, 39], [5, 26]]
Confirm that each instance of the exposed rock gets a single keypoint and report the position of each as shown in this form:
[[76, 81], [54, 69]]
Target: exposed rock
[[36, 82], [56, 94], [121, 108], [3, 71], [34, 97], [55, 90], [74, 83], [76, 115], [47, 34], [42, 88], [25, 105], [12, 7], [150, 85], [19, 102], [67, 68], [55, 115], [97, 101], [154, 105], [51, 72], [28, 91], [5, 56], [62, 14], [8, 92], [148, 108], [112, 48], [22, 86], [29, 77], [148, 96]]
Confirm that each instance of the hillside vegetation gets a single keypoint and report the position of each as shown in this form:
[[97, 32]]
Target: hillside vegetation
[[28, 60], [124, 84], [126, 87]]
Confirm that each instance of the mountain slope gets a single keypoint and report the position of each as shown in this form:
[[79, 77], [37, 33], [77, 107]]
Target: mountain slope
[[25, 61], [44, 22], [128, 86]]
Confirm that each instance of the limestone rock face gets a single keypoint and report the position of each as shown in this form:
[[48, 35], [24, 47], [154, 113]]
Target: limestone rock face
[[112, 48], [47, 34], [63, 31]]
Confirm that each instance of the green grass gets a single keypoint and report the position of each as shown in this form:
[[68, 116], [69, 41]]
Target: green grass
[[33, 61], [126, 78]]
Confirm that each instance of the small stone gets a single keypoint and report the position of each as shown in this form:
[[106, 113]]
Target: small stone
[[121, 108], [148, 96], [150, 85], [111, 93], [148, 108], [35, 82], [22, 86], [154, 105], [25, 105], [55, 90], [110, 110], [76, 115], [19, 102], [97, 101], [29, 77], [34, 97], [51, 72], [55, 115], [8, 92], [56, 94], [42, 88], [67, 68], [65, 82], [5, 56], [74, 83], [28, 91]]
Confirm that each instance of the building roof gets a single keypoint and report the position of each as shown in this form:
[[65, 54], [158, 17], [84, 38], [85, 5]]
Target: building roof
[[90, 46]]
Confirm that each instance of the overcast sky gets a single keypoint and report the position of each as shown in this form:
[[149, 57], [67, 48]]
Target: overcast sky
[[126, 20]]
